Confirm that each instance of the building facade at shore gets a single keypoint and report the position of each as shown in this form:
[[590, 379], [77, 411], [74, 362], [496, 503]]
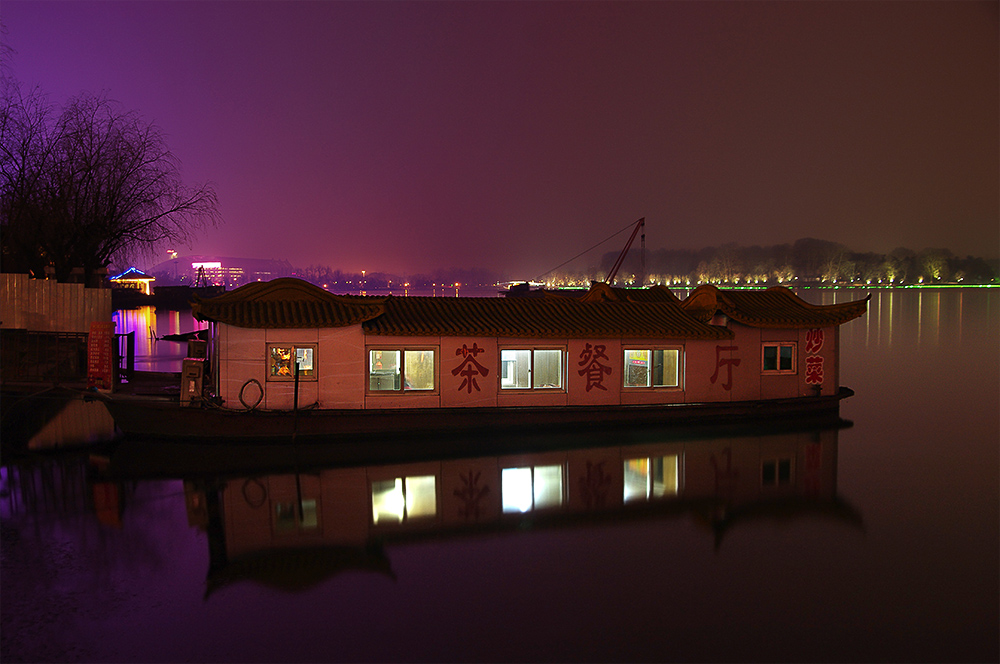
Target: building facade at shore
[[611, 347]]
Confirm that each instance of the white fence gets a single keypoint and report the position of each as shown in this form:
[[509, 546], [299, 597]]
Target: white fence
[[43, 305]]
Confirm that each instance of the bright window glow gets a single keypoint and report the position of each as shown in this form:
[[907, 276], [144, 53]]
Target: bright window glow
[[652, 368], [651, 477], [208, 266], [282, 367], [406, 369], [525, 489], [403, 498], [522, 369]]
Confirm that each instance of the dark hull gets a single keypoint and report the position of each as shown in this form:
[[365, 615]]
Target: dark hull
[[165, 420]]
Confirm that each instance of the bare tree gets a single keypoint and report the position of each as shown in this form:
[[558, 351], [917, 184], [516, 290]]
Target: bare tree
[[94, 185]]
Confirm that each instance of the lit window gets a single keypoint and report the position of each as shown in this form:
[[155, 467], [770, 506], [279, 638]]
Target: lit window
[[531, 369], [531, 488], [776, 472], [282, 358], [652, 368], [778, 357], [289, 519], [651, 477], [399, 499], [403, 369]]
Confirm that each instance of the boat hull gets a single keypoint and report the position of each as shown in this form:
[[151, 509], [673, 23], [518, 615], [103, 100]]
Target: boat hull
[[151, 419]]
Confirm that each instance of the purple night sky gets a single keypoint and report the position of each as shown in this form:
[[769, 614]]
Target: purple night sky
[[513, 135]]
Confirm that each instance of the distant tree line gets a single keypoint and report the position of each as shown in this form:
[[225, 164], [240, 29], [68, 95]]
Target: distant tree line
[[806, 261], [87, 185]]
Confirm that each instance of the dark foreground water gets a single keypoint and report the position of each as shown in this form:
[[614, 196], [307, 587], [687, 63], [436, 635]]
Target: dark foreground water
[[877, 542]]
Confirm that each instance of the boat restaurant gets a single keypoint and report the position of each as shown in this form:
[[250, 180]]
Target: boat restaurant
[[271, 343]]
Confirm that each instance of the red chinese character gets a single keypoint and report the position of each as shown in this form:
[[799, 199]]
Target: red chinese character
[[814, 370], [471, 495], [470, 368], [592, 367], [814, 340], [728, 362]]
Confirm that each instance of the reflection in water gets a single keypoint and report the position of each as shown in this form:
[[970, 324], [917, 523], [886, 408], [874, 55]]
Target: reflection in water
[[152, 352], [917, 317], [293, 530]]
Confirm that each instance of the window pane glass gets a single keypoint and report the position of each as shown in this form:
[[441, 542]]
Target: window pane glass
[[515, 489], [786, 358], [421, 496], [637, 368], [284, 516], [784, 471], [419, 374], [548, 486], [663, 476], [548, 368], [383, 370], [770, 358], [516, 369], [665, 364], [309, 519], [636, 479], [281, 361], [304, 357], [387, 500]]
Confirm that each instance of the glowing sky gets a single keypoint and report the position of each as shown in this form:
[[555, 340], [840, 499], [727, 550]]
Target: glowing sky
[[514, 135]]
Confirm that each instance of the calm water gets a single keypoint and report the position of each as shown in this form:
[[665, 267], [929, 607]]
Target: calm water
[[888, 551]]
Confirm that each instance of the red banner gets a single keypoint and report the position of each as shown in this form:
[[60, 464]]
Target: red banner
[[100, 355]]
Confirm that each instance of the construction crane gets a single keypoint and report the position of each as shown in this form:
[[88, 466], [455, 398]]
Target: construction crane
[[639, 225]]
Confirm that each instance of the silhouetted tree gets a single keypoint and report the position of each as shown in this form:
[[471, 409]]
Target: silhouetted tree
[[89, 185]]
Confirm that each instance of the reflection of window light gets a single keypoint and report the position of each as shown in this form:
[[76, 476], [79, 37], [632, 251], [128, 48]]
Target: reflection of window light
[[525, 489], [776, 472], [287, 519], [653, 477], [402, 498]]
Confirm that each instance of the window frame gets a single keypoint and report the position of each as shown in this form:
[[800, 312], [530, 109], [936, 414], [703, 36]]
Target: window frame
[[409, 495], [402, 350], [776, 462], [531, 387], [313, 374], [651, 350], [764, 345]]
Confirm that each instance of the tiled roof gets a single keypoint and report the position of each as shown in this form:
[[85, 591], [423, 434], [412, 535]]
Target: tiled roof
[[294, 303], [286, 303], [547, 317], [776, 307]]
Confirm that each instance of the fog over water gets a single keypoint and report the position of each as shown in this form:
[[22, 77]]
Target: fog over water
[[893, 556]]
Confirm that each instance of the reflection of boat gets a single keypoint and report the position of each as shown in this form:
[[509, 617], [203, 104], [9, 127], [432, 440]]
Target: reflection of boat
[[53, 418], [294, 529]]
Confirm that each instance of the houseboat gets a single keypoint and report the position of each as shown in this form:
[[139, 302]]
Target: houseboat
[[287, 358]]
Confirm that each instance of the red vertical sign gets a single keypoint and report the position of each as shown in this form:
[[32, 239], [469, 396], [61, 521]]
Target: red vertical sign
[[100, 355]]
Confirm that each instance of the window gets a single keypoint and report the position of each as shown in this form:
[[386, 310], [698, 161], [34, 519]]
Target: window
[[652, 368], [776, 472], [288, 519], [281, 360], [778, 357], [531, 369], [526, 489], [652, 477], [402, 498], [403, 369]]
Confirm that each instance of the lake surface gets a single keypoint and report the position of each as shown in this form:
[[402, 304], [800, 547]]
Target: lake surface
[[883, 547]]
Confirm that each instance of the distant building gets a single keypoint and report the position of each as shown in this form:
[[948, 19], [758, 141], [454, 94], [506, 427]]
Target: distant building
[[219, 271], [133, 279]]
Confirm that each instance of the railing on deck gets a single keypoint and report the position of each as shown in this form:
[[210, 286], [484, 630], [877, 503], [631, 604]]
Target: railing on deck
[[125, 357], [43, 356]]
